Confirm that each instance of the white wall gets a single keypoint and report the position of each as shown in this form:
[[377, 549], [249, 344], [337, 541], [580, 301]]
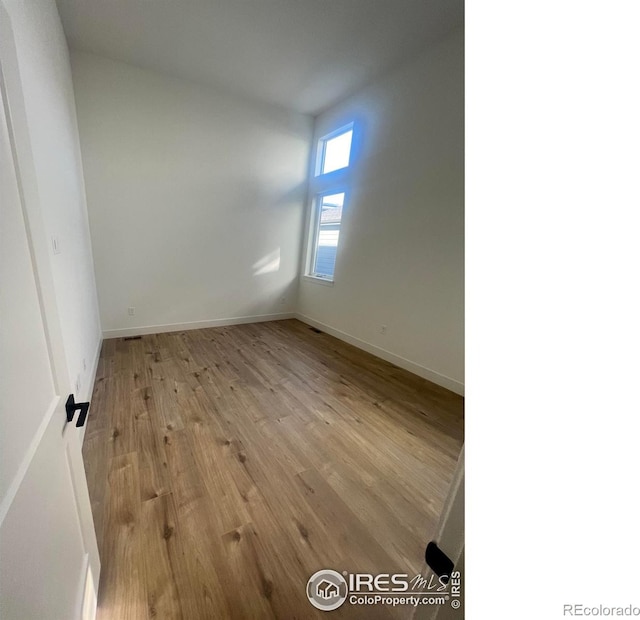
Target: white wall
[[53, 179], [196, 198], [401, 255]]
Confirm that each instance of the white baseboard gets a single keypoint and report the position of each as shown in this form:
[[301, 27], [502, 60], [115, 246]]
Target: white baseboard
[[178, 327], [416, 369], [88, 393]]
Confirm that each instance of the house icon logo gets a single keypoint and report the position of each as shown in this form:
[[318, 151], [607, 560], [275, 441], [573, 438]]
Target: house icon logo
[[327, 590]]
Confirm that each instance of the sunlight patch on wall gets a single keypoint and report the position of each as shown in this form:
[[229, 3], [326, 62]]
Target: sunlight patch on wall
[[267, 264]]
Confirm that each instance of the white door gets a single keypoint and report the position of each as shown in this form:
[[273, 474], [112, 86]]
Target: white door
[[49, 565], [450, 540]]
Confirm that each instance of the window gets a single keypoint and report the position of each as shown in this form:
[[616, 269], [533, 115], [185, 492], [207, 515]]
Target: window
[[329, 189], [327, 233], [335, 151]]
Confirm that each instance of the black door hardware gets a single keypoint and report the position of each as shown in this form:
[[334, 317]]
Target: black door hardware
[[72, 406], [438, 561]]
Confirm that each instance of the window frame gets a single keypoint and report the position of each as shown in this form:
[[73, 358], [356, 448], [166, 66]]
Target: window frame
[[314, 231], [322, 150], [321, 185]]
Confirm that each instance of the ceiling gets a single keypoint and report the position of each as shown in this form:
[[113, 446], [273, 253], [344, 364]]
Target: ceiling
[[305, 55]]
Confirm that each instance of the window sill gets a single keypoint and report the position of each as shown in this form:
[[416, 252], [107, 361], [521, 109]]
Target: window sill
[[316, 280]]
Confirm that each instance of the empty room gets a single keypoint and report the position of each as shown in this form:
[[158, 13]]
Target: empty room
[[233, 232]]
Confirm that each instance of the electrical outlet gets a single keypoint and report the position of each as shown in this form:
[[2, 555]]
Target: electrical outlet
[[131, 310], [283, 300], [383, 329]]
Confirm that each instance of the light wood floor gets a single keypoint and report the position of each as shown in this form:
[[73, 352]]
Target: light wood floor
[[227, 465]]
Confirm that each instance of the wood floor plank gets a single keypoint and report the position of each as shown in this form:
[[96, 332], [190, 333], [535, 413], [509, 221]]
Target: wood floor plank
[[154, 478], [250, 584], [160, 523], [199, 576], [122, 580], [226, 465]]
